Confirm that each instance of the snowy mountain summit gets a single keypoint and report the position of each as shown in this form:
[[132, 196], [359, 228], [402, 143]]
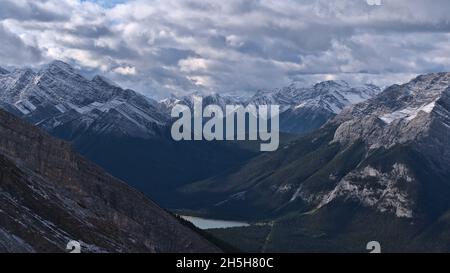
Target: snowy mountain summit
[[331, 96], [402, 113], [57, 96], [305, 109]]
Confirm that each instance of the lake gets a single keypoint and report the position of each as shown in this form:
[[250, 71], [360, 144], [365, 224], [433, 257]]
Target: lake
[[204, 223]]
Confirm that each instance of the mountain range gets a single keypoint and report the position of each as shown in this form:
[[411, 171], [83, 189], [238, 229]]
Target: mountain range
[[304, 109], [128, 134], [57, 97], [121, 130]]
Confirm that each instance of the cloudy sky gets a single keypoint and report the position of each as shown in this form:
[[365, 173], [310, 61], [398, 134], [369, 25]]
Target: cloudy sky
[[180, 46]]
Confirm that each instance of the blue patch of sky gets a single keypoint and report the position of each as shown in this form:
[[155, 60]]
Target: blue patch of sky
[[106, 3]]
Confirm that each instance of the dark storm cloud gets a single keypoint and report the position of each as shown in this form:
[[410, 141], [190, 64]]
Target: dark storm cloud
[[90, 31], [171, 56], [14, 52], [30, 10]]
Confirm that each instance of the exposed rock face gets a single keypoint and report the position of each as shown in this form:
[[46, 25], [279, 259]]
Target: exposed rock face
[[387, 194], [50, 195]]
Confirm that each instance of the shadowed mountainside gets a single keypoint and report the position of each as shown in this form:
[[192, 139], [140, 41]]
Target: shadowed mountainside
[[49, 195]]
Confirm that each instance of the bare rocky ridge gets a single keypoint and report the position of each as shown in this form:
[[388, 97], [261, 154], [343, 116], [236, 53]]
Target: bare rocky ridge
[[49, 195]]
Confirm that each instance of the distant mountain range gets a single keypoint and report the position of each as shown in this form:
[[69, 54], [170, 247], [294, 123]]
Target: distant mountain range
[[57, 96], [303, 109], [50, 196]]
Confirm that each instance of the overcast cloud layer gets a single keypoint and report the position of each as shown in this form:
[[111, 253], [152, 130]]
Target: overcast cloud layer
[[180, 46]]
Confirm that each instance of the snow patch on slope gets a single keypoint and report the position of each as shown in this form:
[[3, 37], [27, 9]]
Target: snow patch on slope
[[408, 113]]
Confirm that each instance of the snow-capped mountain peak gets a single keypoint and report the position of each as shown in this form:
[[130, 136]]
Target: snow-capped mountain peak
[[305, 108], [402, 101], [103, 81], [332, 96], [416, 111], [57, 94], [207, 99], [58, 66]]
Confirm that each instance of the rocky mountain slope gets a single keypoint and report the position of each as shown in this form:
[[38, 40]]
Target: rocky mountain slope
[[50, 195]]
